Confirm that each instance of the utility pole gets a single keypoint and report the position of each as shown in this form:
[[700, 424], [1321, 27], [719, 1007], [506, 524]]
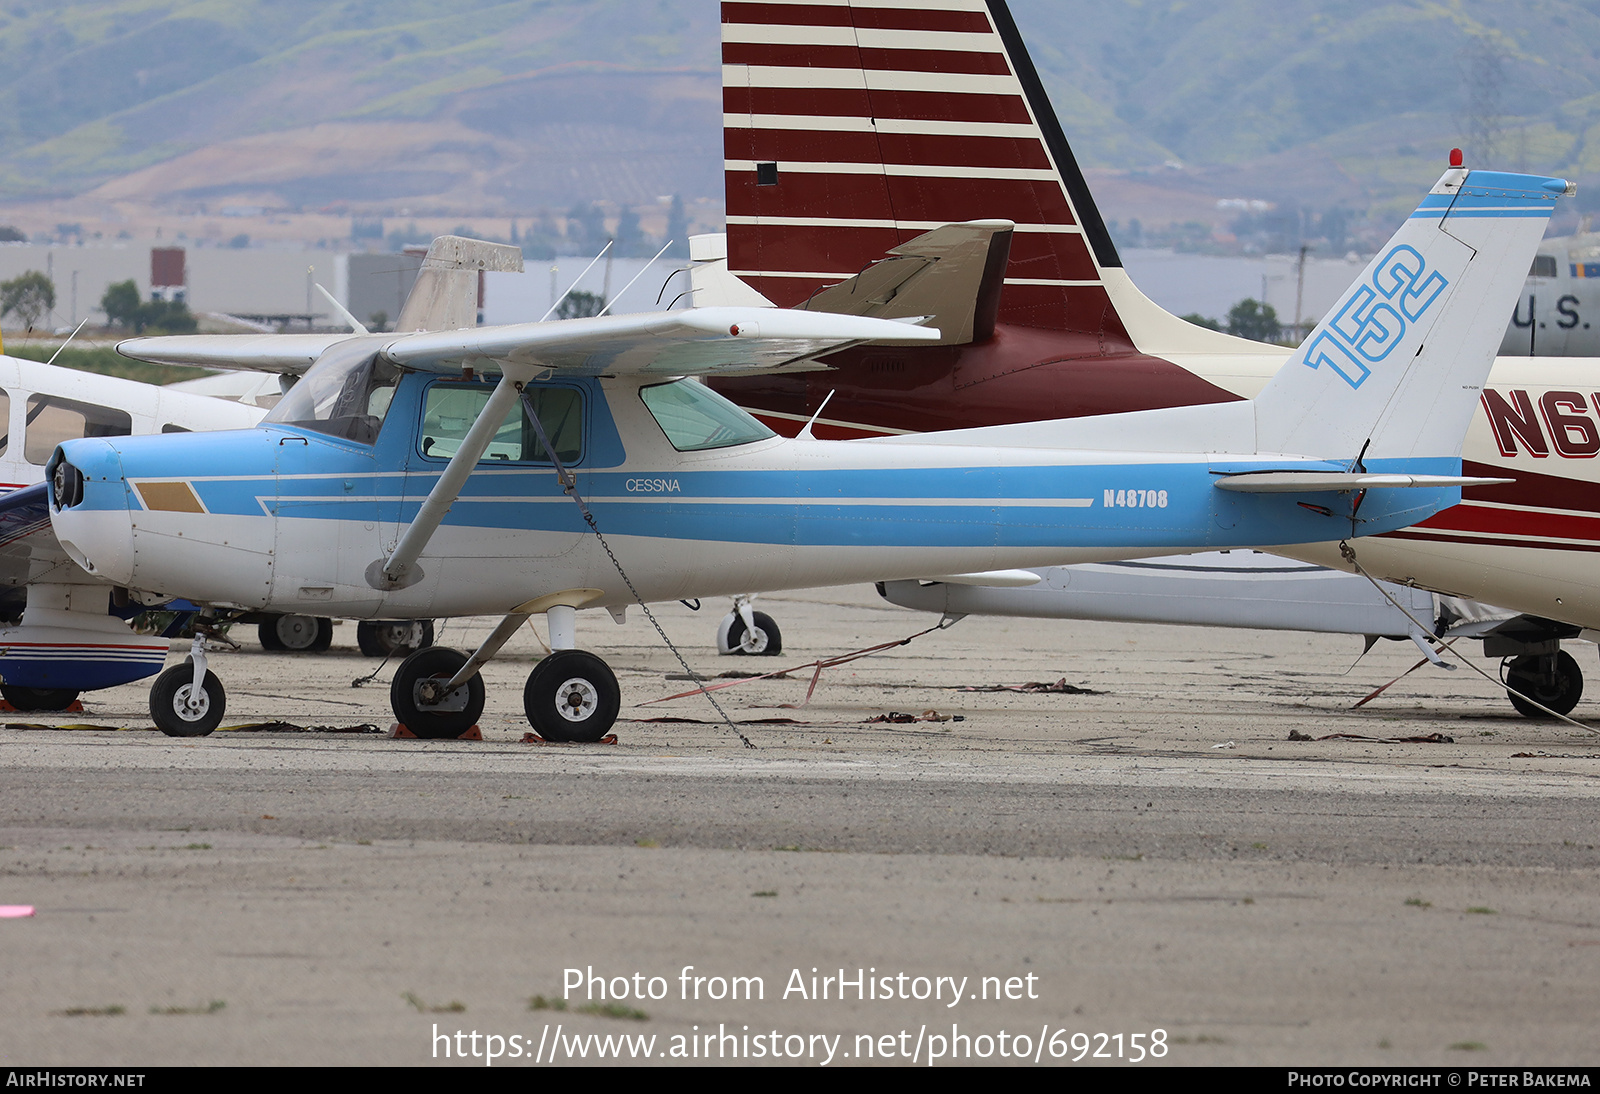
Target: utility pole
[[1300, 293]]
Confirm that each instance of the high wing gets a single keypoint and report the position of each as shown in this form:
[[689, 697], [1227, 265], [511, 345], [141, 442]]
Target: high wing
[[280, 353], [696, 342]]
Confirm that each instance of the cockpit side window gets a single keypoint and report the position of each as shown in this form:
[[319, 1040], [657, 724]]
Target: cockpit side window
[[450, 408], [346, 394], [52, 419]]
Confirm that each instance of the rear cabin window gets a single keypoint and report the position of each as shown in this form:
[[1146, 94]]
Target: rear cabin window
[[451, 408], [52, 419], [695, 418], [1543, 266]]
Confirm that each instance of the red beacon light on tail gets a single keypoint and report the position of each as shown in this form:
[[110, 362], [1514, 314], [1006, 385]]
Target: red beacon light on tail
[[1455, 157]]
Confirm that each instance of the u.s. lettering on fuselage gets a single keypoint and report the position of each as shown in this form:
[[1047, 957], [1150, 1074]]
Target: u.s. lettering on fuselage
[[1367, 329]]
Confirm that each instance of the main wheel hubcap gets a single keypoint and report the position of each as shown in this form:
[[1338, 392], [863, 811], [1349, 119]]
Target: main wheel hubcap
[[297, 631], [577, 700]]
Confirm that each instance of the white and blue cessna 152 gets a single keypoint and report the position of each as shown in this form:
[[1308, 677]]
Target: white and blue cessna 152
[[467, 471]]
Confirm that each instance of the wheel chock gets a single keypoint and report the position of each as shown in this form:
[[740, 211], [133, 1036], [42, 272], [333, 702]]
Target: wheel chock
[[401, 733], [74, 707], [532, 738]]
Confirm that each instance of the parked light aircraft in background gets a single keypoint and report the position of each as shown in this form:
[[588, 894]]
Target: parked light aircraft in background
[[397, 480], [67, 640], [855, 132]]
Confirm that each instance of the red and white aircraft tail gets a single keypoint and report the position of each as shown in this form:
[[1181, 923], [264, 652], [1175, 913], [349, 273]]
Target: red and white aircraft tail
[[853, 126]]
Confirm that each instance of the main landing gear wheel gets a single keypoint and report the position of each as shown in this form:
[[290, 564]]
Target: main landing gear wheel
[[418, 699], [571, 696], [381, 637], [1555, 683], [296, 633], [174, 713], [28, 699], [763, 641]]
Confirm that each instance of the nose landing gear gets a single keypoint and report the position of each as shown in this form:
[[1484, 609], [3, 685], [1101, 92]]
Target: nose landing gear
[[187, 700]]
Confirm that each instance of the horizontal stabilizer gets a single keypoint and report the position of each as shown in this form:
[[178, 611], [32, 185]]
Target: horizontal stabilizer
[[1309, 482], [953, 274]]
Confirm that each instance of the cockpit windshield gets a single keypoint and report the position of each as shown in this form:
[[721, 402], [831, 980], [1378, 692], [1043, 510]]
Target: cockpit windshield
[[345, 394], [695, 418]]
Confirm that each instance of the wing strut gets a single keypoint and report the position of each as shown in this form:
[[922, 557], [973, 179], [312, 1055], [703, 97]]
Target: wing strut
[[400, 570]]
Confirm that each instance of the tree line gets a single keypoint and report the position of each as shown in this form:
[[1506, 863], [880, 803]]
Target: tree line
[[32, 295]]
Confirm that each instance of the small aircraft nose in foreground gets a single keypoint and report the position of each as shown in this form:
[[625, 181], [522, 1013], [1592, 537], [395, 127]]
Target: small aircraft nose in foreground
[[547, 467]]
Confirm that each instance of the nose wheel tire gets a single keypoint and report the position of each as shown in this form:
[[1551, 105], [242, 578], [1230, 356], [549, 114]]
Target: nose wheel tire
[[381, 637], [26, 699], [175, 713], [296, 634], [763, 641], [417, 698], [572, 696], [1557, 685]]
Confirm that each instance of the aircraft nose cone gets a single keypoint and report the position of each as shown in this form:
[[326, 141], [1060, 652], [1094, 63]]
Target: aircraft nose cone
[[89, 508]]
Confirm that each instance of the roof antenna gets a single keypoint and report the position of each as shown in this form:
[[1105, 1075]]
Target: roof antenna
[[63, 345], [574, 284], [342, 312], [629, 285], [805, 433]]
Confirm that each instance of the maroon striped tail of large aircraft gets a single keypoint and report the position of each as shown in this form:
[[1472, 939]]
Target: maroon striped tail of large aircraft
[[889, 158], [851, 130]]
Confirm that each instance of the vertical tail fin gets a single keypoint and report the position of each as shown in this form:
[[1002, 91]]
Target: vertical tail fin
[[445, 294], [851, 128], [1396, 368]]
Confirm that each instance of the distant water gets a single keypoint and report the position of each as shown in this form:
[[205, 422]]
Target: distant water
[[525, 297], [1211, 284], [1181, 283]]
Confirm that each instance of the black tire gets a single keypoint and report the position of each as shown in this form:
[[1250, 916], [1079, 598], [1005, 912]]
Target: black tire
[[296, 633], [767, 641], [453, 716], [381, 637], [29, 699], [1560, 694], [571, 696], [267, 633], [167, 703]]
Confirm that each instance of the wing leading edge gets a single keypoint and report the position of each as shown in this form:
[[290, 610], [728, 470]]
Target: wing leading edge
[[696, 342]]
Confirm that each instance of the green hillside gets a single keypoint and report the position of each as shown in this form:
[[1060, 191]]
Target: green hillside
[[1379, 88], [102, 87], [522, 104]]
